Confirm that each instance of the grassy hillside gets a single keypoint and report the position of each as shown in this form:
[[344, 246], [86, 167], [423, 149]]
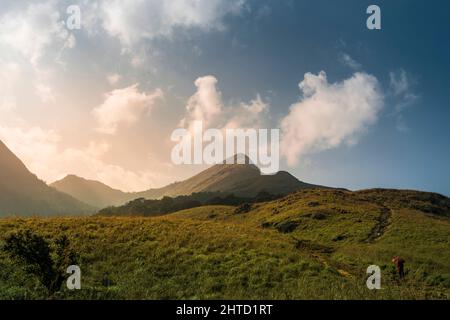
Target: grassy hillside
[[311, 244]]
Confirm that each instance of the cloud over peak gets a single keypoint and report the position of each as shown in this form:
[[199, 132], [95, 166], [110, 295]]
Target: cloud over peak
[[329, 114], [206, 105]]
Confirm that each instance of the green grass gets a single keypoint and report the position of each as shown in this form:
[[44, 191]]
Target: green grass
[[213, 253]]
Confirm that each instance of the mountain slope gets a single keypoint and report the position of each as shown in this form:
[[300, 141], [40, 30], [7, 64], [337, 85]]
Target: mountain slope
[[312, 244], [93, 192], [22, 193], [243, 180]]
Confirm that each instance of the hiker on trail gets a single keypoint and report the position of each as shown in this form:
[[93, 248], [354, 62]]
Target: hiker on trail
[[399, 262]]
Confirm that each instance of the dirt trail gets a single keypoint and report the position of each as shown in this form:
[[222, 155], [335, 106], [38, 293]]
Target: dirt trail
[[321, 254], [383, 221]]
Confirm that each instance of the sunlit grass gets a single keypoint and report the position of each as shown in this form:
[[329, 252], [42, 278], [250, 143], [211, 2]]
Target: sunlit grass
[[213, 253]]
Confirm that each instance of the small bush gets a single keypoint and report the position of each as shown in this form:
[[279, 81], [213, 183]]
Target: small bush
[[287, 227], [39, 258], [243, 208], [318, 216]]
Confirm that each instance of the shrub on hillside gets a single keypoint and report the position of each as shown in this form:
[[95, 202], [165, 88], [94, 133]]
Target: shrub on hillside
[[243, 208], [39, 258]]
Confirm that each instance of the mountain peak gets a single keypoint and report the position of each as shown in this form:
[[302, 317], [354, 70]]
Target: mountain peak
[[73, 178], [92, 192], [238, 158], [244, 180], [22, 193], [10, 164]]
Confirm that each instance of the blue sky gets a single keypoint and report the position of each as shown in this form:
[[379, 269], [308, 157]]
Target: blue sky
[[252, 48]]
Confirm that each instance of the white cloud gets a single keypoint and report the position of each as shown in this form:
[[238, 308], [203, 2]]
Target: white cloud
[[347, 60], [31, 30], [206, 105], [32, 145], [329, 114], [10, 75], [401, 88], [249, 115], [133, 20], [136, 23], [33, 37], [124, 106], [113, 79], [399, 82], [45, 93]]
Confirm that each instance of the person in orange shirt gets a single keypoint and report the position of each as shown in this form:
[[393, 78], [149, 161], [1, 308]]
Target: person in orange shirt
[[399, 263]]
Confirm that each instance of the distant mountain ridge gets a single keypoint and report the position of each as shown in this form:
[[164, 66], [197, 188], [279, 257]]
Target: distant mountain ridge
[[22, 193], [243, 180], [92, 192]]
